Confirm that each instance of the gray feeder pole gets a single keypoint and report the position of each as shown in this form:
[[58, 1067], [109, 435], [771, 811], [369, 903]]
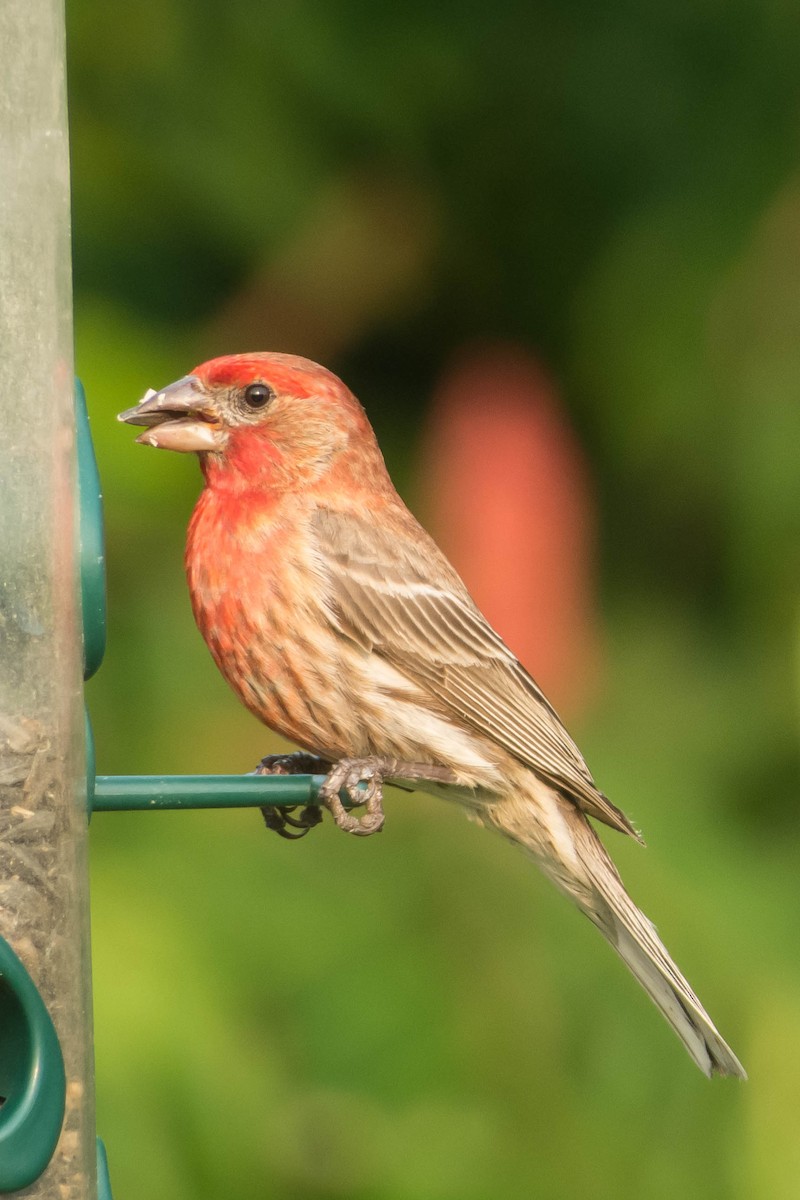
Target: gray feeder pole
[[44, 903]]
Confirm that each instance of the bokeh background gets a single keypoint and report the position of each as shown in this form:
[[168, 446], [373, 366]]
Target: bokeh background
[[555, 249]]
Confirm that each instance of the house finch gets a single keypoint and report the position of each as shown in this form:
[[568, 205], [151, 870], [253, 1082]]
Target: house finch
[[339, 623]]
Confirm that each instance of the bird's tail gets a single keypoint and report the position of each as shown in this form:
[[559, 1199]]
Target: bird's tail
[[569, 851]]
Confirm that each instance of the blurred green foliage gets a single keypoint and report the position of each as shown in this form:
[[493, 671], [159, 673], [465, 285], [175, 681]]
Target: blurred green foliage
[[417, 1017]]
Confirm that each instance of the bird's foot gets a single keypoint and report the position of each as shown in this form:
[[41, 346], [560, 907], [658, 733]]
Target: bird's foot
[[347, 776], [281, 820], [361, 779], [350, 773], [298, 763]]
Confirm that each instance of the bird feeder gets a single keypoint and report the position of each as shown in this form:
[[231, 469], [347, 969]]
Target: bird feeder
[[47, 1109], [52, 635]]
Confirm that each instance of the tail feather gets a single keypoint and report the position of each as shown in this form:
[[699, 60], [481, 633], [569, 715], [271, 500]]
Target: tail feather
[[576, 860], [680, 1007]]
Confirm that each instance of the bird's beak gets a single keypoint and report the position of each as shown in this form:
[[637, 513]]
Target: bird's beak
[[179, 417]]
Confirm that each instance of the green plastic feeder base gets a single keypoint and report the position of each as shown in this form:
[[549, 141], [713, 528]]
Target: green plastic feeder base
[[32, 1080]]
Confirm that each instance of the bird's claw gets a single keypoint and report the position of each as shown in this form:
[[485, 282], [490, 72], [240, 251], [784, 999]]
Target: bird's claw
[[298, 763], [280, 820], [347, 776]]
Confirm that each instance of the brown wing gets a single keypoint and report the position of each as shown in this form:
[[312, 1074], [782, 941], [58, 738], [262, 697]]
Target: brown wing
[[396, 594]]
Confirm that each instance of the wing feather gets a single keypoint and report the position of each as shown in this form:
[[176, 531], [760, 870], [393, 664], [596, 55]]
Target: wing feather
[[384, 597]]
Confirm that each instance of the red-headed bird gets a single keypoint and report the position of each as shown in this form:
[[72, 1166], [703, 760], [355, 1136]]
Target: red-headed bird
[[340, 624]]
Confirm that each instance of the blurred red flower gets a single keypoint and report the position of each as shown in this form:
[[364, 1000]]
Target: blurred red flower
[[506, 492]]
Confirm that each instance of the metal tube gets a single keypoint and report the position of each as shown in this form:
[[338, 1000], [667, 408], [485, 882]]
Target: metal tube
[[43, 871], [125, 793]]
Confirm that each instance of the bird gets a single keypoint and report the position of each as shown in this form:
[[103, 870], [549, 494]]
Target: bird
[[340, 624]]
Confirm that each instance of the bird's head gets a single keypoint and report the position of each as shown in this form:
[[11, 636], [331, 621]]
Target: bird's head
[[249, 415]]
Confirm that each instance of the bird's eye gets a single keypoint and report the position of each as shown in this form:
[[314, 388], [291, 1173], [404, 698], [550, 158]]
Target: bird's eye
[[257, 395]]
